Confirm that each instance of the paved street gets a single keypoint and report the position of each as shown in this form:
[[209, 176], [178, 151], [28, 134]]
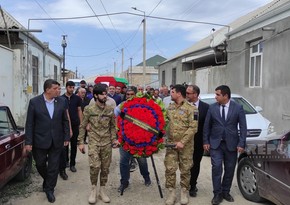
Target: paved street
[[76, 189]]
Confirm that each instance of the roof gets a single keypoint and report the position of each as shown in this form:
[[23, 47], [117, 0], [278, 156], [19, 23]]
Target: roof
[[218, 37], [153, 61], [12, 23], [9, 20], [278, 12]]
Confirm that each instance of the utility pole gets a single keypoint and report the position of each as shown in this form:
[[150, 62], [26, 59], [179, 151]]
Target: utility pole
[[122, 62], [130, 73], [63, 44], [144, 50], [144, 45], [114, 68]]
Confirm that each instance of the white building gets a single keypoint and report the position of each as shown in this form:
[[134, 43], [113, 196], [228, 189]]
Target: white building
[[25, 63]]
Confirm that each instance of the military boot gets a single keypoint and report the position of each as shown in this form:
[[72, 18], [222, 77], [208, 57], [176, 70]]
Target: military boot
[[183, 196], [92, 198], [171, 197], [103, 196]]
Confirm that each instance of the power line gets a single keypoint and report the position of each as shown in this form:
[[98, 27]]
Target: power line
[[130, 13], [97, 16], [122, 42], [49, 16], [155, 7]]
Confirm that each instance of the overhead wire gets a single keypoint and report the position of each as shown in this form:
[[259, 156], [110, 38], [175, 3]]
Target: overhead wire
[[130, 13], [119, 13], [188, 9], [151, 39], [102, 24], [53, 20], [49, 16], [122, 42]]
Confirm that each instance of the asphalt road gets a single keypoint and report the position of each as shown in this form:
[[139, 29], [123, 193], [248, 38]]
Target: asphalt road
[[76, 189]]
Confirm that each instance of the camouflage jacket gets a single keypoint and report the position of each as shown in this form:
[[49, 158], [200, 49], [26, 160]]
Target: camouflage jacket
[[182, 122], [102, 125]]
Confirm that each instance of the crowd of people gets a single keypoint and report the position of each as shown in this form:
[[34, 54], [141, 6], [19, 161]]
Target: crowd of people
[[57, 125]]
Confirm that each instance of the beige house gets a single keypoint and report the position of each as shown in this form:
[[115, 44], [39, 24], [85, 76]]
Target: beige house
[[135, 74]]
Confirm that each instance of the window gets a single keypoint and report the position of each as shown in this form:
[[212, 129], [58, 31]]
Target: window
[[163, 78], [5, 124], [55, 72], [255, 67], [173, 76], [35, 74]]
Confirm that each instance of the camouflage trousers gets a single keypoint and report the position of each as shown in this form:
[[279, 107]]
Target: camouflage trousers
[[181, 159], [100, 158]]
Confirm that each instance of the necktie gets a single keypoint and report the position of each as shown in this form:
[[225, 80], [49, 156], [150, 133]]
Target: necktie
[[223, 113]]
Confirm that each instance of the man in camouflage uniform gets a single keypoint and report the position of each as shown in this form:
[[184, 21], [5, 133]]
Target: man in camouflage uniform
[[182, 125], [102, 135]]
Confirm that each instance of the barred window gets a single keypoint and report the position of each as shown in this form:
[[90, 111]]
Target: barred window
[[255, 67]]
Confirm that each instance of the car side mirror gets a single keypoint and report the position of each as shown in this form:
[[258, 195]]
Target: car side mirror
[[259, 109]]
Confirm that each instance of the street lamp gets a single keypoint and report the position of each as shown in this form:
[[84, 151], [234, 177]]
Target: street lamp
[[63, 44], [144, 44]]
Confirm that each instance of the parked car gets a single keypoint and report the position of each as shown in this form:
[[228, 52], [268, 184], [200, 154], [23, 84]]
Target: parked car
[[258, 127], [264, 170], [14, 161]]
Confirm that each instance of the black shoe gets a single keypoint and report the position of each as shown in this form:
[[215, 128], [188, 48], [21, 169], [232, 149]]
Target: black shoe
[[193, 191], [63, 175], [73, 169], [122, 188], [147, 182], [228, 197], [217, 199], [50, 196]]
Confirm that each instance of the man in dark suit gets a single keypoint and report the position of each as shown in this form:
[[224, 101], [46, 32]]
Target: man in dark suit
[[47, 131], [192, 94], [221, 138]]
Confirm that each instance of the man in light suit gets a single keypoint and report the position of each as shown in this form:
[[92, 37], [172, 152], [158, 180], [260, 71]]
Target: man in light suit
[[221, 138], [192, 95], [47, 131]]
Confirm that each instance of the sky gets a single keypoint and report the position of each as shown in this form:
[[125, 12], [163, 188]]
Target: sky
[[95, 42]]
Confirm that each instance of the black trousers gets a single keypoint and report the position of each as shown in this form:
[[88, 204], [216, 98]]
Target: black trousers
[[73, 145], [63, 159], [197, 156], [47, 165]]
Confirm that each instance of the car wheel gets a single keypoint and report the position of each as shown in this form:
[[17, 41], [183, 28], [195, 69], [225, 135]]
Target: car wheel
[[247, 181], [26, 169]]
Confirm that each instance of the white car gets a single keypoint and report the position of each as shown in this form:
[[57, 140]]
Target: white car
[[258, 126]]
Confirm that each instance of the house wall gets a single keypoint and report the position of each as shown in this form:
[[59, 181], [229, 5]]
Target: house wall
[[150, 79], [273, 96], [207, 78], [16, 75], [181, 76], [20, 97], [6, 76]]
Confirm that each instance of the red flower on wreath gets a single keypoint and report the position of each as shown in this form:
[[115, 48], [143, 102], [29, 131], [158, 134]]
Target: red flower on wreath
[[137, 139]]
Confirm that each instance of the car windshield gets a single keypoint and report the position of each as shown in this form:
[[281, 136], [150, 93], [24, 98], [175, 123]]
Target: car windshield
[[247, 107]]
